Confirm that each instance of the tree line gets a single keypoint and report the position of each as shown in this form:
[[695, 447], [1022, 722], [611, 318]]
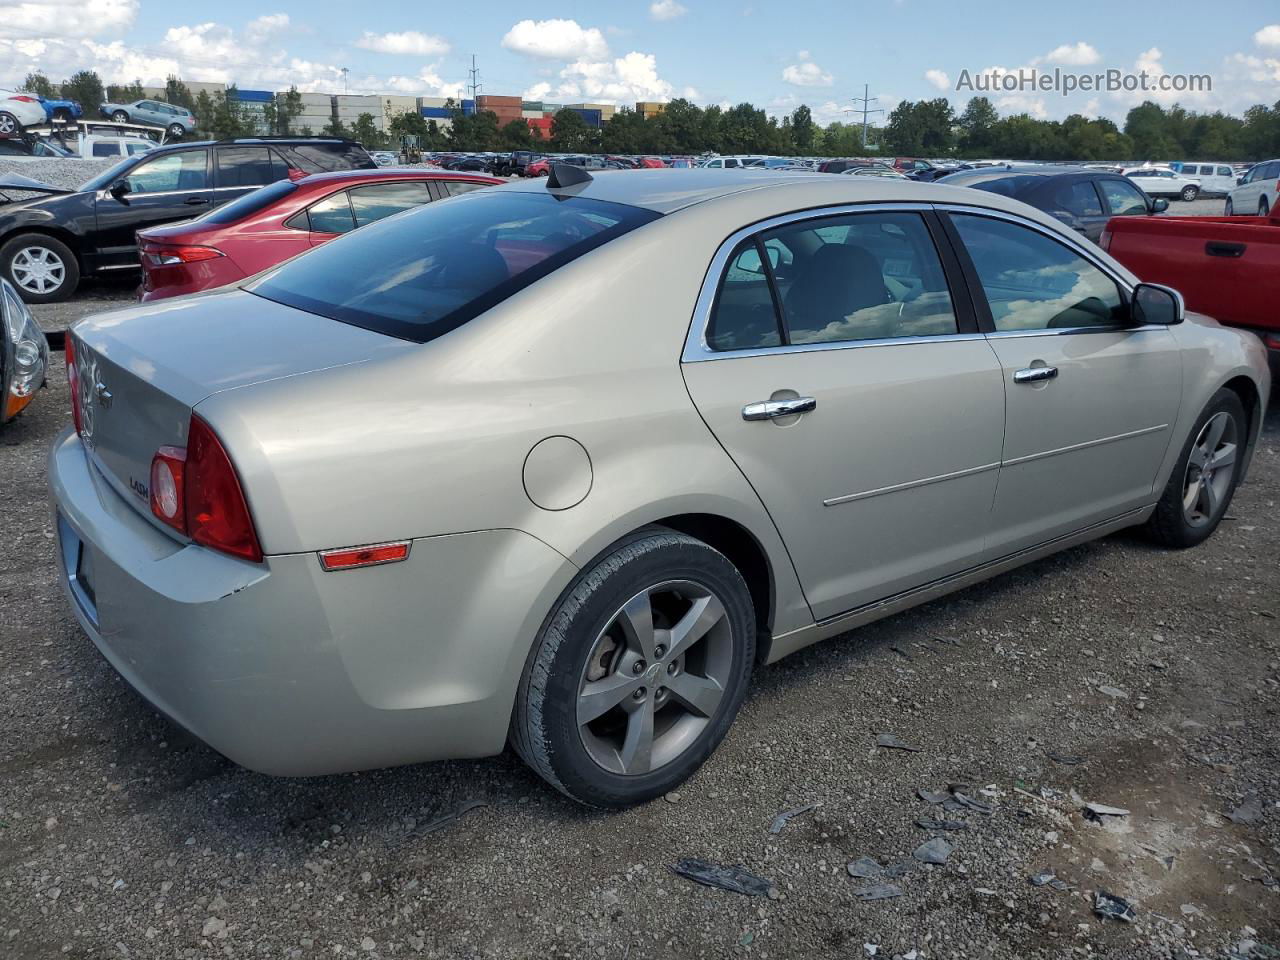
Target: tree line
[[929, 128]]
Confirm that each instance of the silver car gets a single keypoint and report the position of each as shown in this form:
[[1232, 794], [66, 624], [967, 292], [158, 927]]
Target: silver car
[[562, 462], [177, 121]]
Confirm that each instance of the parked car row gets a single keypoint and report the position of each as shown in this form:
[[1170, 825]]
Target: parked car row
[[427, 465], [19, 110]]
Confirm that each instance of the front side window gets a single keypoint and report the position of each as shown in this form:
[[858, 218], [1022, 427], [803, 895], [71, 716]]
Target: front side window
[[1123, 199], [248, 167], [1033, 282], [136, 148], [170, 173], [1225, 172], [420, 275], [862, 276]]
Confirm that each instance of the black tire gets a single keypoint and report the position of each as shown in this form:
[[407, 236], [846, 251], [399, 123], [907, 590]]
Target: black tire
[[545, 730], [1169, 525], [1264, 208], [176, 130], [1190, 193], [26, 241], [1228, 210], [120, 116], [9, 125]]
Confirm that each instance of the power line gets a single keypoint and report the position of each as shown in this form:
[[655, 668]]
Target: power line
[[473, 78]]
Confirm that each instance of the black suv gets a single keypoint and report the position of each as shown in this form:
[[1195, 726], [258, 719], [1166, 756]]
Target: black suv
[[48, 243]]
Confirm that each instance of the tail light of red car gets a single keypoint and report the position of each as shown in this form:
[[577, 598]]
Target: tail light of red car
[[196, 491], [167, 255]]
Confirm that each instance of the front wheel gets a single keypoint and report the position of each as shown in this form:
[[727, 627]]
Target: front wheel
[[1264, 208], [1190, 193], [176, 130], [42, 269], [120, 117], [1229, 210], [639, 671], [1205, 477]]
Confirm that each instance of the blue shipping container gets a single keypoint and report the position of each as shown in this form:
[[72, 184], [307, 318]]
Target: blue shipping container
[[435, 113], [592, 117], [256, 96], [468, 106]]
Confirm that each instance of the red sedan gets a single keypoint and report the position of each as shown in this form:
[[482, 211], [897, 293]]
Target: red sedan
[[281, 220]]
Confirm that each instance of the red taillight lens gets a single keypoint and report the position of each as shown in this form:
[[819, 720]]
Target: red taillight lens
[[1272, 341], [73, 382], [25, 99], [295, 174], [352, 558], [217, 513], [168, 487], [197, 492], [167, 256]]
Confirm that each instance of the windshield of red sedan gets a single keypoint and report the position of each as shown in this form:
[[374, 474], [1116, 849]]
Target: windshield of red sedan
[[423, 273]]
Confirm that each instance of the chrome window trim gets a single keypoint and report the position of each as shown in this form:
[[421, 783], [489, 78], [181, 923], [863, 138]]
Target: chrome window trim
[[696, 349]]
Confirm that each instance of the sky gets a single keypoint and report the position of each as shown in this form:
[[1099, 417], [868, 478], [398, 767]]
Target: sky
[[775, 55]]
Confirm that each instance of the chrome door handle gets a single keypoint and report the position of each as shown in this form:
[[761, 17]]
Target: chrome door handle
[[1035, 374], [773, 409]]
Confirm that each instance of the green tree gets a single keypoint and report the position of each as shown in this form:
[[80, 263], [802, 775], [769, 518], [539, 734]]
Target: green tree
[[628, 132], [86, 89], [365, 132], [423, 133], [842, 140], [176, 92], [977, 124], [280, 112], [127, 93], [221, 116], [39, 84], [571, 134], [921, 128], [1151, 130], [515, 135], [804, 132]]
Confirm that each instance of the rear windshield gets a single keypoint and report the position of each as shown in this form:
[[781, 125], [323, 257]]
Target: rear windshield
[[250, 203], [421, 274]]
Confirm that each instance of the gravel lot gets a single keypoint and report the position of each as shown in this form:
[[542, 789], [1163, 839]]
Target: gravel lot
[[122, 837]]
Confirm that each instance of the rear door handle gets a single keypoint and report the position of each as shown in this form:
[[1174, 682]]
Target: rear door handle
[[773, 409], [1218, 249], [194, 201], [1035, 374]]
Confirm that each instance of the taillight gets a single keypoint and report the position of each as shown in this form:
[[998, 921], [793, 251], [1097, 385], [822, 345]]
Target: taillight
[[25, 99], [73, 383], [197, 492], [166, 256], [168, 487]]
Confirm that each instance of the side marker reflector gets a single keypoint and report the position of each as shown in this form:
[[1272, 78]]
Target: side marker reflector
[[352, 558]]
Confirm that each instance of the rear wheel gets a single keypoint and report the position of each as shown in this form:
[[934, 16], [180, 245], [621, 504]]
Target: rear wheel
[[1205, 477], [176, 130], [42, 269], [1190, 193], [9, 124], [120, 117], [639, 671], [1264, 208], [1228, 210]]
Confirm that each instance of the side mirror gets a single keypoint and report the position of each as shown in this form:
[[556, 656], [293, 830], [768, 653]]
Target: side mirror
[[120, 189], [1155, 303], [1240, 181], [1159, 205]]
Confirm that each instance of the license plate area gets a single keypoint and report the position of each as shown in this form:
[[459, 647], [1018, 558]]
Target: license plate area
[[77, 563]]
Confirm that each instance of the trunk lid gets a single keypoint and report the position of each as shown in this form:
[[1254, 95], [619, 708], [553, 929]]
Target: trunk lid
[[142, 370]]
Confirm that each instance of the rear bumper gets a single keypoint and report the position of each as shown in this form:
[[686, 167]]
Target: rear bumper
[[160, 283], [289, 670]]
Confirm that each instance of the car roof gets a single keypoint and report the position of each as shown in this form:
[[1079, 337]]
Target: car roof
[[249, 141], [666, 191], [398, 173]]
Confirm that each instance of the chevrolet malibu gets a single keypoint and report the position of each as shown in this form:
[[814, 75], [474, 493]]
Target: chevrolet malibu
[[562, 462]]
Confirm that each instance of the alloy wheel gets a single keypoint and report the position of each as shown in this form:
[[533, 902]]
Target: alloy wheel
[[1210, 470], [656, 677], [38, 270], [8, 123]]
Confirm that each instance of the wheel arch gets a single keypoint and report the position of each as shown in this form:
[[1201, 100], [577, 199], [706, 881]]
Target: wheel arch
[[71, 240], [1250, 396]]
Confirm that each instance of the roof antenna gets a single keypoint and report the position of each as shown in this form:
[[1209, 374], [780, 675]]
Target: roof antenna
[[566, 175]]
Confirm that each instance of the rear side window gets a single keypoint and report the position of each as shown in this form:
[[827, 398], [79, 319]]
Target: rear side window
[[106, 150], [136, 148], [378, 200], [861, 276], [324, 157], [248, 167], [1035, 283], [250, 203], [331, 215], [456, 188], [423, 274]]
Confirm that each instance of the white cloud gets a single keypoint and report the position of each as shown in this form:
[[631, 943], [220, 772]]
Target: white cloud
[[266, 26], [54, 19], [633, 77], [427, 82], [938, 78], [539, 91], [556, 40], [1073, 55], [806, 73], [1268, 36], [667, 9], [408, 43]]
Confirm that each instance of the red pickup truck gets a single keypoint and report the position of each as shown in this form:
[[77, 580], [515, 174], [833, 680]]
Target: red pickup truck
[[1226, 267]]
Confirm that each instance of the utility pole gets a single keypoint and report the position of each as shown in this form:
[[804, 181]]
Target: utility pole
[[473, 81], [866, 102], [344, 71]]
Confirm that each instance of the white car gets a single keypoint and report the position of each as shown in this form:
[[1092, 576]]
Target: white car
[[1163, 182], [97, 148], [1258, 192], [18, 110], [1216, 179], [729, 163]]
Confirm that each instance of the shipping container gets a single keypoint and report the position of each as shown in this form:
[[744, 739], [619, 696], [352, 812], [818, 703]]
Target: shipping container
[[468, 106], [488, 101], [592, 117], [532, 114], [531, 105], [432, 101], [255, 96], [435, 113]]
